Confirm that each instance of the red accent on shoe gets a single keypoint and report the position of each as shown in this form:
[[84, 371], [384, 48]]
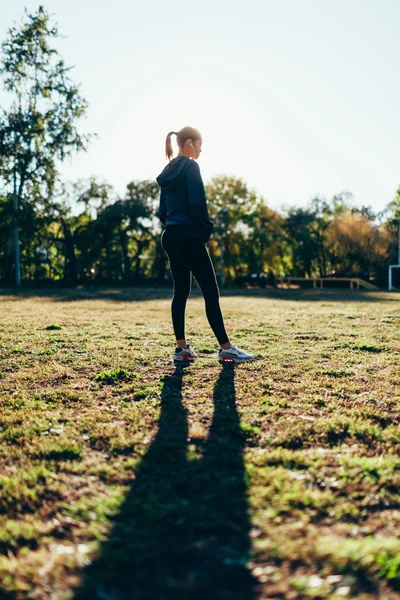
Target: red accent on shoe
[[187, 358]]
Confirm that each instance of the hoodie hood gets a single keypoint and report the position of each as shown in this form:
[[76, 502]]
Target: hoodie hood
[[169, 177]]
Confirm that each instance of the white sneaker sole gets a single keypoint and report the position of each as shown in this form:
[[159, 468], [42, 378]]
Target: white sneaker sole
[[184, 358], [234, 359]]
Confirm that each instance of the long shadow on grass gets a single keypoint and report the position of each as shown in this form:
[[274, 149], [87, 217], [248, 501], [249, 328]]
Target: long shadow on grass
[[183, 530]]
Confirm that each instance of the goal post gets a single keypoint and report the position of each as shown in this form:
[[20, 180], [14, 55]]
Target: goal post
[[394, 277]]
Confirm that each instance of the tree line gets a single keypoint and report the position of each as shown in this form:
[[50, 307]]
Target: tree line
[[117, 239], [82, 232]]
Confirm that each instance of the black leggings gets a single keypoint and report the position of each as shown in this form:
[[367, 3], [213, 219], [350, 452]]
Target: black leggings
[[188, 255]]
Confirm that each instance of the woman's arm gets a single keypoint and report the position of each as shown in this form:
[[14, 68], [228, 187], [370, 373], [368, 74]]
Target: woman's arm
[[162, 209], [197, 207]]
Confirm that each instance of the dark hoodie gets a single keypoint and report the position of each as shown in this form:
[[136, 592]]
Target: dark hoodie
[[183, 201]]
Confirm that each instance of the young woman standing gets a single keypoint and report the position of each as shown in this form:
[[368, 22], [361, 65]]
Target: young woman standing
[[183, 210]]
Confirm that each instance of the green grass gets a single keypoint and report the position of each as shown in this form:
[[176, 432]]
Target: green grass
[[279, 478]]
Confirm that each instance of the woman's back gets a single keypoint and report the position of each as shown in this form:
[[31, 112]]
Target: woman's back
[[183, 200]]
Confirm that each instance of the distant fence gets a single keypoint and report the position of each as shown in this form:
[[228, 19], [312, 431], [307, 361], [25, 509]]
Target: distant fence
[[318, 282]]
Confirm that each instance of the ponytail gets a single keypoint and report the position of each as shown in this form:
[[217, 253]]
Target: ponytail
[[182, 135], [168, 146]]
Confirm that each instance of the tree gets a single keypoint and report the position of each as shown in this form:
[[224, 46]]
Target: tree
[[300, 228], [140, 205], [357, 246], [115, 230], [265, 249], [93, 195], [39, 128], [230, 202], [94, 234]]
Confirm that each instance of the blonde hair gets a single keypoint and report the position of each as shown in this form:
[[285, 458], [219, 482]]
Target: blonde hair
[[186, 133]]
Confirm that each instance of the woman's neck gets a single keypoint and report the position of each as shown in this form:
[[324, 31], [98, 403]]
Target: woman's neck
[[184, 153]]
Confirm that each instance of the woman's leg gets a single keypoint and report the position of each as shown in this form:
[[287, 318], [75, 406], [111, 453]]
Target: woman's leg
[[203, 270], [177, 252]]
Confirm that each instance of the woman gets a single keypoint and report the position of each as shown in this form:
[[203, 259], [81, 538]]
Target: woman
[[183, 211]]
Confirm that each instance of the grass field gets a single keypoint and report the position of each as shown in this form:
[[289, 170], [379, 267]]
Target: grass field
[[122, 477]]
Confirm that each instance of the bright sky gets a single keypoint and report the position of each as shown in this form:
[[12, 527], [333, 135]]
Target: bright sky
[[297, 97]]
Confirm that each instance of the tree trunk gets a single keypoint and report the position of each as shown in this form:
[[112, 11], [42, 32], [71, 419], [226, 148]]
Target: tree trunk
[[9, 258], [141, 245], [71, 265], [160, 263], [123, 238], [17, 260], [261, 263]]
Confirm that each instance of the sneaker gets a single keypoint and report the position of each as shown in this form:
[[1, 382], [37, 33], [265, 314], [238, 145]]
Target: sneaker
[[234, 354], [186, 354]]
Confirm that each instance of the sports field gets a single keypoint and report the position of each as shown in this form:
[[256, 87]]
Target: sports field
[[123, 478]]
